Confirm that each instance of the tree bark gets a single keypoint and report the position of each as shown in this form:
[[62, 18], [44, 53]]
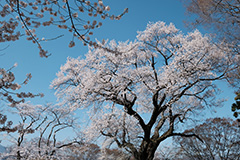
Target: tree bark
[[147, 150]]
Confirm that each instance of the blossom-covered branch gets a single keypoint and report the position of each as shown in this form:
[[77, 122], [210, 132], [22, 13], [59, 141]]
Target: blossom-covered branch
[[64, 14]]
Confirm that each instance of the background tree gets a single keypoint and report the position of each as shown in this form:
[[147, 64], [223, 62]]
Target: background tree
[[221, 140], [38, 130], [137, 95], [221, 17]]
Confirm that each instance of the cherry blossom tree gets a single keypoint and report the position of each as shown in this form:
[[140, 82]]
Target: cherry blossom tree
[[137, 96], [37, 132], [221, 140], [77, 16]]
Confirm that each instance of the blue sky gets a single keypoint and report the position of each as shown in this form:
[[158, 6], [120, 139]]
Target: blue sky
[[44, 70]]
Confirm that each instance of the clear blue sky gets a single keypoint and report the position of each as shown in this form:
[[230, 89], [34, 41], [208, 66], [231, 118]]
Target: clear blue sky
[[44, 70]]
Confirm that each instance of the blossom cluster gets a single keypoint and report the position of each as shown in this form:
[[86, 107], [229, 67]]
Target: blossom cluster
[[8, 86], [63, 14]]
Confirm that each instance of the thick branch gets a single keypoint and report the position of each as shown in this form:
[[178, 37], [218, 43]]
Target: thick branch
[[157, 109], [159, 126], [69, 144], [187, 135], [170, 130], [133, 113]]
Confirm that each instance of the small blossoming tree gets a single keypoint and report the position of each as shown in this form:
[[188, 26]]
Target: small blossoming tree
[[37, 132]]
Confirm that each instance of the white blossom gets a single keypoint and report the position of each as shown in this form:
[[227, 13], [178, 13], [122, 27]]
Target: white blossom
[[162, 69]]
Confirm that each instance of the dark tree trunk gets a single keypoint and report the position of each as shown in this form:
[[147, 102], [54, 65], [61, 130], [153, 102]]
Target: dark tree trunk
[[147, 150]]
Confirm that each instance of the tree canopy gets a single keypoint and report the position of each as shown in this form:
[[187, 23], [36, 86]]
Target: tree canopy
[[138, 94]]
